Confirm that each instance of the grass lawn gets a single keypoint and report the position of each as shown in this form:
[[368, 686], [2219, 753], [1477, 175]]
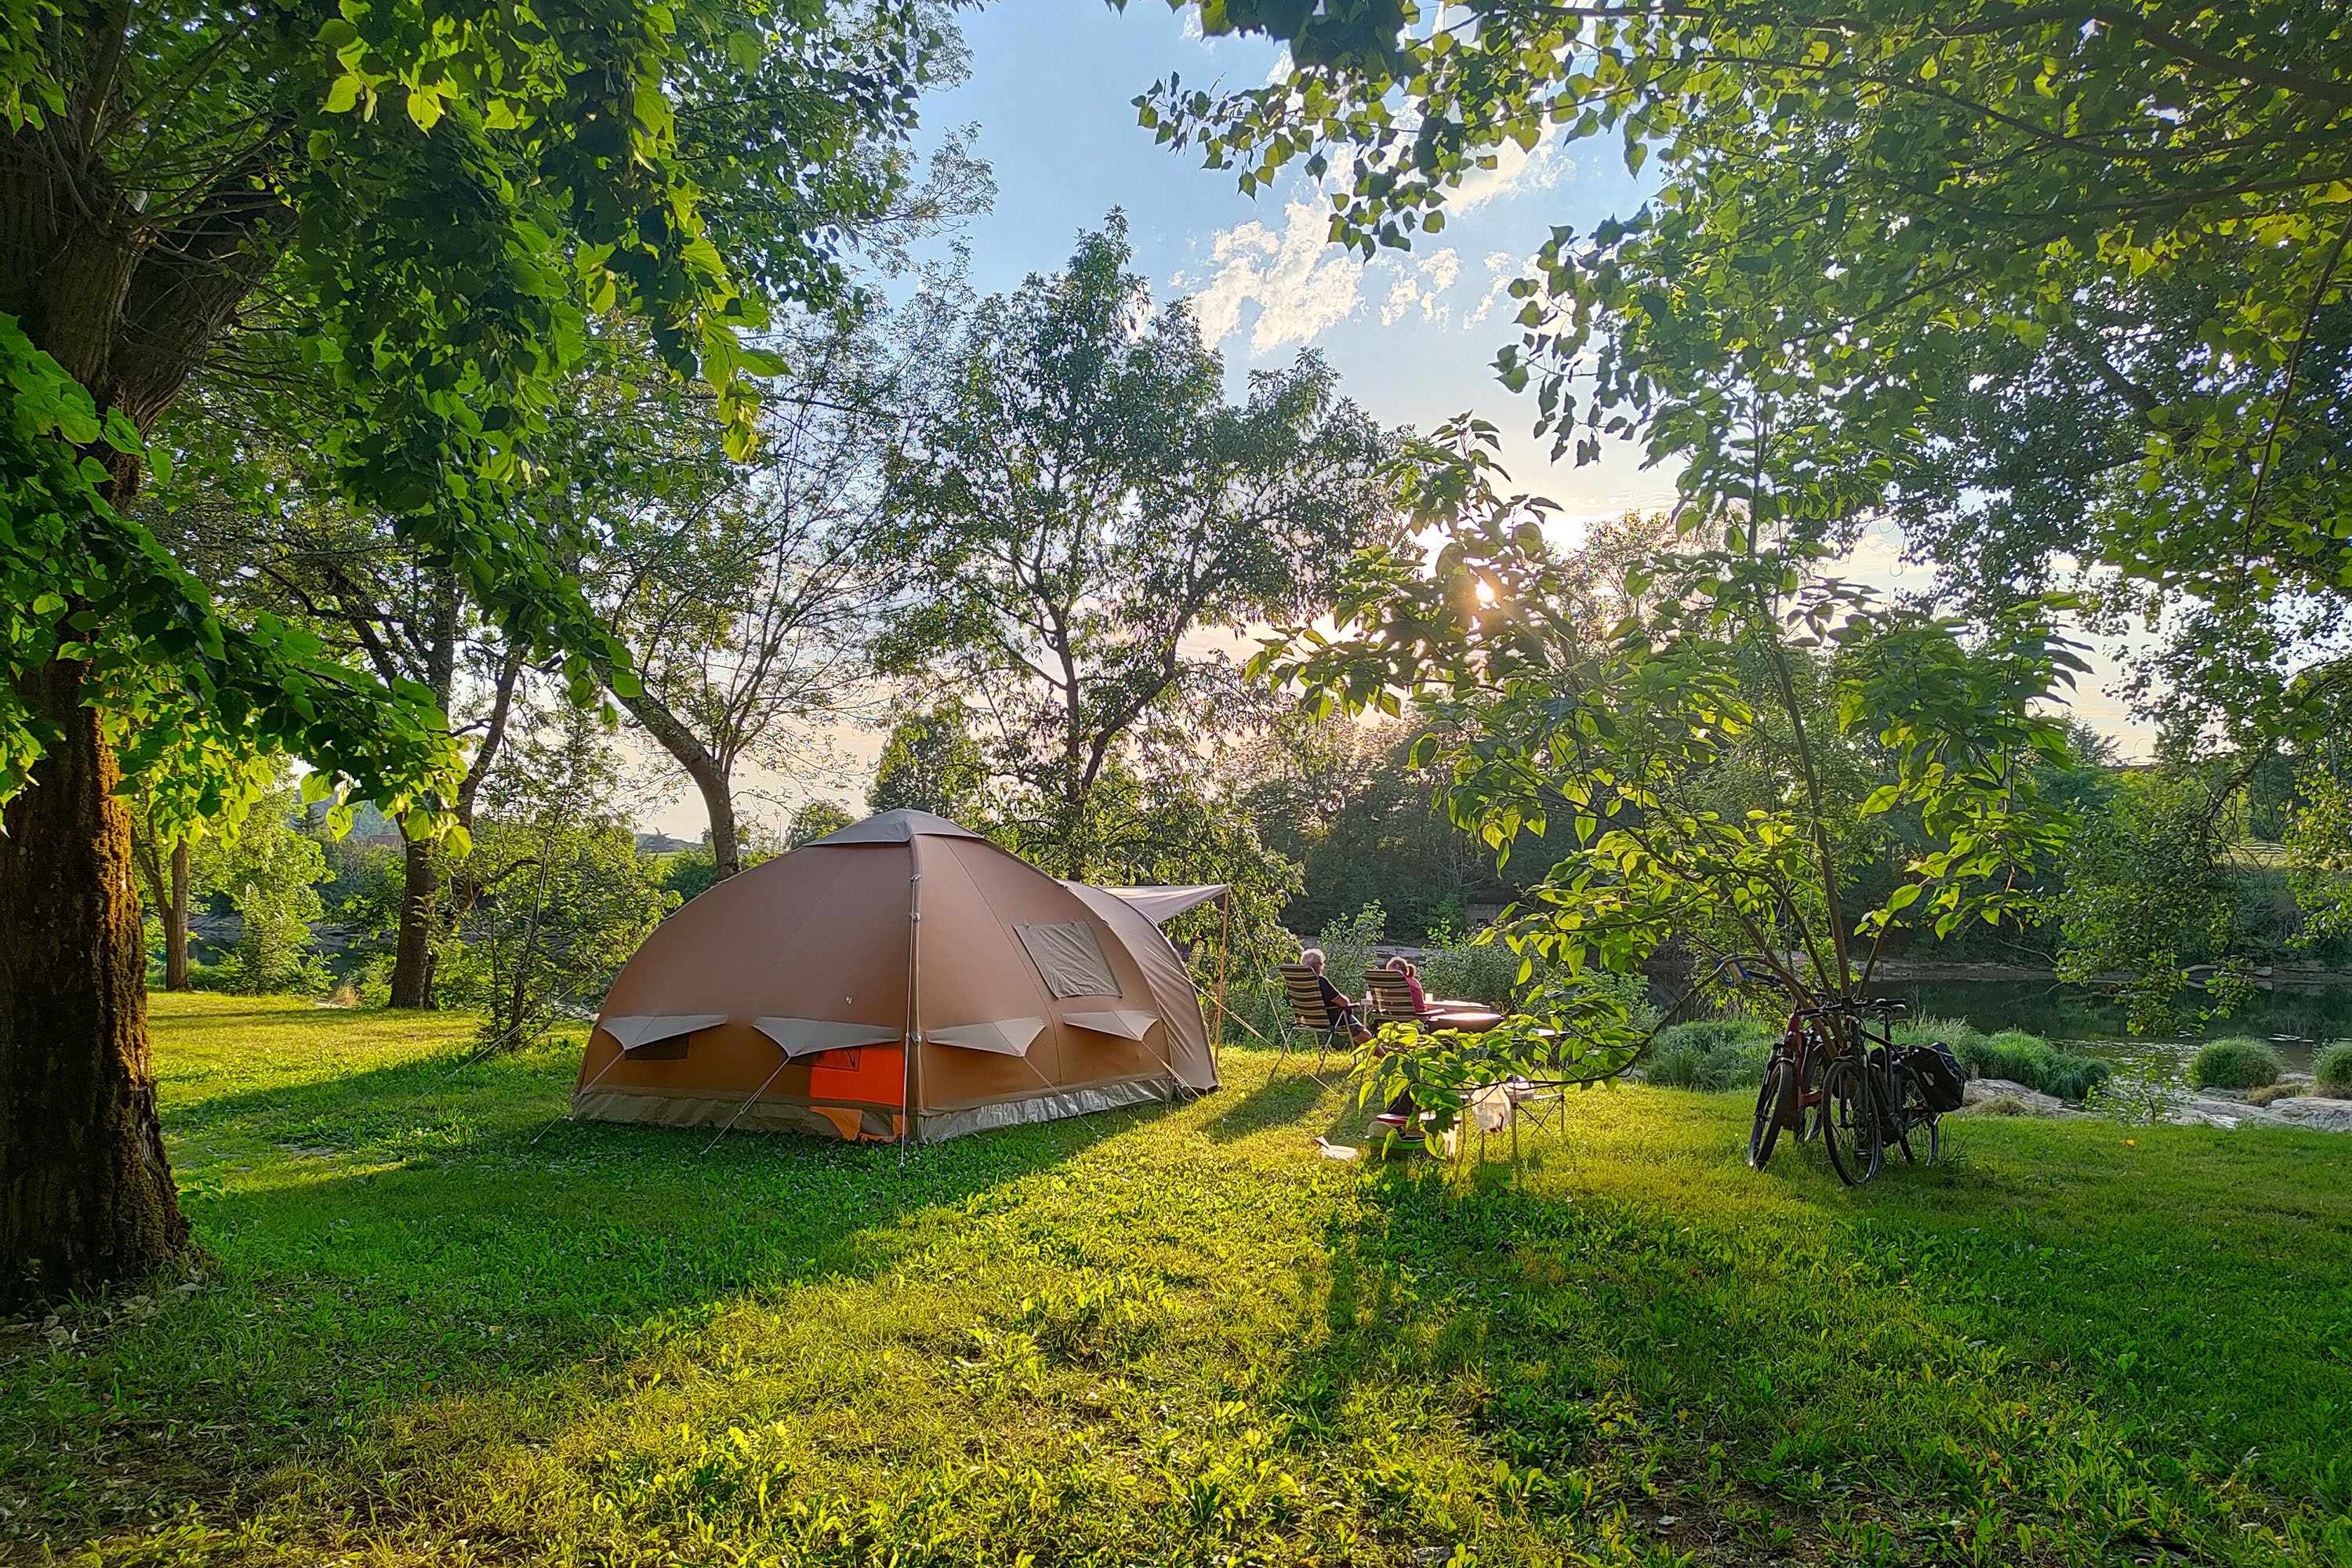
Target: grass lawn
[[1173, 1336]]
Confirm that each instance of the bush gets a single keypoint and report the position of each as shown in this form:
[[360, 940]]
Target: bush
[[2012, 1054], [1487, 975], [1957, 1033], [1347, 944], [2239, 1062], [2333, 1068], [1709, 1053]]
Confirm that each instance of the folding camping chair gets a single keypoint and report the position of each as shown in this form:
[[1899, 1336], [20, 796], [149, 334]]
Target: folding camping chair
[[1311, 1015], [1391, 1000]]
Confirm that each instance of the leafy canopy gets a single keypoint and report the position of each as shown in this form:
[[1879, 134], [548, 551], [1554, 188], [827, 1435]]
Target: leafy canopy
[[427, 202], [2075, 268]]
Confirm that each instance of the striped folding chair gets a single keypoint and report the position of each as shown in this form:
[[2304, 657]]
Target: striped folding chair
[[1311, 1014]]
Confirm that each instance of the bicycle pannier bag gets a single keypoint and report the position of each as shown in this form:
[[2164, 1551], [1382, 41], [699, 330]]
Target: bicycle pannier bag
[[1939, 1074]]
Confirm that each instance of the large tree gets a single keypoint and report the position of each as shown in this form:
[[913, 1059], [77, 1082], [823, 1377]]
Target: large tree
[[2077, 269], [746, 592], [1079, 499], [431, 199], [259, 517]]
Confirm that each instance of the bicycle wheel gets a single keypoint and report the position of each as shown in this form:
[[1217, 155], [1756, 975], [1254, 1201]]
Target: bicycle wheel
[[1851, 1124], [1898, 1115], [1809, 1094], [1771, 1106]]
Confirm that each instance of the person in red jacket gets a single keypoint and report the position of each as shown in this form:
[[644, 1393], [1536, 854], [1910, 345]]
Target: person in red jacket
[[1402, 966]]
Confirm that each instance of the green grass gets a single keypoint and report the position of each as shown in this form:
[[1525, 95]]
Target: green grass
[[1175, 1336]]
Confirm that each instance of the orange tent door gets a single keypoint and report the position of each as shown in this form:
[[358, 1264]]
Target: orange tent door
[[864, 1074]]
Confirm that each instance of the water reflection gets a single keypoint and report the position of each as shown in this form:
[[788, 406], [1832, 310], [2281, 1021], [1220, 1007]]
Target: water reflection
[[2295, 1020]]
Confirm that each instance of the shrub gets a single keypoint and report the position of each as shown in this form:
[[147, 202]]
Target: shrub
[[1709, 1053], [1347, 943], [2333, 1069], [1957, 1033], [2239, 1062], [2025, 1059], [1486, 974]]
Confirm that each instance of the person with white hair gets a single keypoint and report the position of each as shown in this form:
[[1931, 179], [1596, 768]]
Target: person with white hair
[[1342, 1008]]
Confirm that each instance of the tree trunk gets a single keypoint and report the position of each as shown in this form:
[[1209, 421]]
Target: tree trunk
[[726, 846], [86, 1194], [175, 922], [411, 962], [703, 766], [420, 900]]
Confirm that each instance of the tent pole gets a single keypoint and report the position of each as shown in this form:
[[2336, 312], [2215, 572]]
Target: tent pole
[[912, 1042], [1224, 932]]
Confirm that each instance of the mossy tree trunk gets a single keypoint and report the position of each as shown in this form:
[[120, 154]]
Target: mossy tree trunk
[[86, 1194]]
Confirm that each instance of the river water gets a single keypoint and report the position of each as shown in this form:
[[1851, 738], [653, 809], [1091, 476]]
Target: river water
[[2295, 1020]]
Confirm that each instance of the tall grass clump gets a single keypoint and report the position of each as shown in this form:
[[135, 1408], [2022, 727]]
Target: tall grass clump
[[1709, 1053], [2241, 1061], [2011, 1053], [2333, 1069]]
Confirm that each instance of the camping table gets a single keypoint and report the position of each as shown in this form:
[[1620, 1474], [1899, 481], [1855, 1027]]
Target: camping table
[[1460, 1015]]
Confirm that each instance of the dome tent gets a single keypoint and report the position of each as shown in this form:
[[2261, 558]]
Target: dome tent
[[902, 962]]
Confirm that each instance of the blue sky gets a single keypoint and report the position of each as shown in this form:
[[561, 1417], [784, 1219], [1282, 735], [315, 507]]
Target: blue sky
[[1413, 335]]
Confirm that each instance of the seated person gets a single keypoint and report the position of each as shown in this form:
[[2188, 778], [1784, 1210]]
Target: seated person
[[1402, 966], [1334, 998]]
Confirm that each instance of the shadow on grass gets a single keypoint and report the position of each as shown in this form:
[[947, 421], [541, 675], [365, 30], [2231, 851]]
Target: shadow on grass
[[1284, 1097], [2052, 1283], [392, 1238]]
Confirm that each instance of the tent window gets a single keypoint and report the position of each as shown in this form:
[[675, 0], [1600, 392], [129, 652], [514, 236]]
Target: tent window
[[1069, 959]]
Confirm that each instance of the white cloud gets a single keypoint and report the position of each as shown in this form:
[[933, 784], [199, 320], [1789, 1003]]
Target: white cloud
[[1516, 170], [1300, 282], [1438, 270], [1501, 268]]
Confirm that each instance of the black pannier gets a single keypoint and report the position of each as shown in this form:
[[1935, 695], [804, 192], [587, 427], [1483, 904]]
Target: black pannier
[[1939, 1074]]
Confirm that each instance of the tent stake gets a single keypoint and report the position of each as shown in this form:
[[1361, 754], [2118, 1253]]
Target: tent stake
[[740, 1109], [618, 1056]]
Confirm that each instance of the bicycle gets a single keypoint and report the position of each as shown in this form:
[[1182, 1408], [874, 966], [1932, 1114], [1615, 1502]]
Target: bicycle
[[1864, 1091]]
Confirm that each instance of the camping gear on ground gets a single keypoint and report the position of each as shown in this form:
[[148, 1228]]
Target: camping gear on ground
[[903, 978]]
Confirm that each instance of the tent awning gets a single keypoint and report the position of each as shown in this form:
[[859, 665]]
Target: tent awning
[[1005, 1036], [1128, 1024], [807, 1037], [1159, 905], [640, 1029]]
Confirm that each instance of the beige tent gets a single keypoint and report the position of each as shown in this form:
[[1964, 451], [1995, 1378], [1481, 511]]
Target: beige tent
[[902, 962]]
